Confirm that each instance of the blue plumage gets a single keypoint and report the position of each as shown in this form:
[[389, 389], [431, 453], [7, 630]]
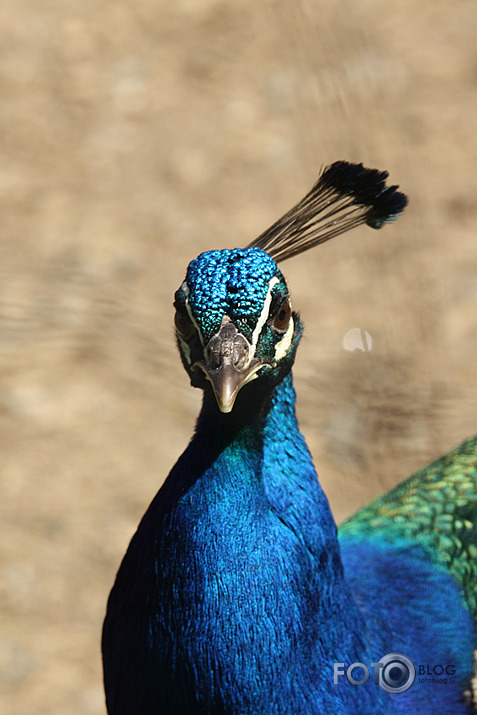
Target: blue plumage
[[235, 595], [233, 282]]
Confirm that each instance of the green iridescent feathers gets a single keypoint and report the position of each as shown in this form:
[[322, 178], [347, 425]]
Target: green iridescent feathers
[[437, 508]]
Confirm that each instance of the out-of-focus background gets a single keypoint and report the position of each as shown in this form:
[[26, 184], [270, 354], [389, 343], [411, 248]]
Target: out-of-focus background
[[135, 135]]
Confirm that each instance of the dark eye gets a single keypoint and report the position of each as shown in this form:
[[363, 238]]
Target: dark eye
[[282, 317], [184, 324]]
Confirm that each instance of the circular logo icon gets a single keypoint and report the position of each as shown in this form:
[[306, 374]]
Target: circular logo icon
[[397, 673]]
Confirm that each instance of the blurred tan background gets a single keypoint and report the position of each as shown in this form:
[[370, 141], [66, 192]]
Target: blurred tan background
[[135, 135]]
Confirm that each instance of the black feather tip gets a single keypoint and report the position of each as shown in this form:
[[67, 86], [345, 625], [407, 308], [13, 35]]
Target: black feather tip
[[386, 207], [345, 196], [366, 187]]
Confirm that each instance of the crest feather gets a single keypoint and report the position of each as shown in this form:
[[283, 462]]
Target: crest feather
[[345, 196]]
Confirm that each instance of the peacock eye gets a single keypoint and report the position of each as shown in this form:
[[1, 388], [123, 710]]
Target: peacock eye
[[282, 317], [184, 325]]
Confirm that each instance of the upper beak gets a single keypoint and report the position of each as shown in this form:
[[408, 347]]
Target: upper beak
[[228, 365], [227, 381]]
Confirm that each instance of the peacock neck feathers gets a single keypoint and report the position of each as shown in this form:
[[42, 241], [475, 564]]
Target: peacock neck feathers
[[247, 493], [247, 584]]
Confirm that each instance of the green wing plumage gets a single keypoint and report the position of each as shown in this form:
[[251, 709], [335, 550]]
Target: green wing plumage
[[436, 507]]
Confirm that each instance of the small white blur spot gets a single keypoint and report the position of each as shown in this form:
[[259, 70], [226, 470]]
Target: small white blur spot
[[357, 339]]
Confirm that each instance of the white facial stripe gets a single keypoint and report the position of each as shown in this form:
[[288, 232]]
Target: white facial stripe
[[282, 347], [263, 316]]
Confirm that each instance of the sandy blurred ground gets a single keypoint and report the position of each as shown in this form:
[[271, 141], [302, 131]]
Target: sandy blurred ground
[[135, 135]]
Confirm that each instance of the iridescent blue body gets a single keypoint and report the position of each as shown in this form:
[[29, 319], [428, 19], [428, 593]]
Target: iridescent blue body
[[235, 595]]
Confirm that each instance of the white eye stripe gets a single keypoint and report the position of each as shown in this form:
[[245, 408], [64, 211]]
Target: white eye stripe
[[263, 315], [281, 348], [185, 349]]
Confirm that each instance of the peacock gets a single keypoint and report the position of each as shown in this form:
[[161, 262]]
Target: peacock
[[237, 594]]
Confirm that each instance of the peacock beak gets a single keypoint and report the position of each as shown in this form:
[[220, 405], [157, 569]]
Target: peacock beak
[[228, 365]]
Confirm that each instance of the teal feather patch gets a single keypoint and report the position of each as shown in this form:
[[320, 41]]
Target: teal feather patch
[[436, 508]]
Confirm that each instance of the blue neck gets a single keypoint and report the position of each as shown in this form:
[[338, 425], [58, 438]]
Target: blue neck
[[242, 518], [256, 454]]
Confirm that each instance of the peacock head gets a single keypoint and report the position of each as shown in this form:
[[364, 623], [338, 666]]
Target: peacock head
[[234, 321]]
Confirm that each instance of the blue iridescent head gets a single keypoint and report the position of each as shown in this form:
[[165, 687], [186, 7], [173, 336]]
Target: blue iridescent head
[[234, 322]]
